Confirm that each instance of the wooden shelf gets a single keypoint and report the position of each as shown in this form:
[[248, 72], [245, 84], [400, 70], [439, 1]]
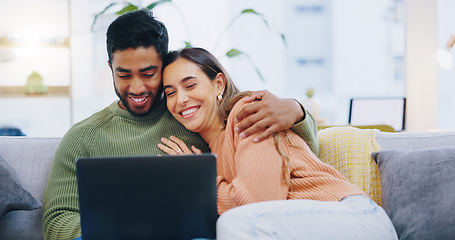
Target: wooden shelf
[[21, 37], [19, 92], [56, 43]]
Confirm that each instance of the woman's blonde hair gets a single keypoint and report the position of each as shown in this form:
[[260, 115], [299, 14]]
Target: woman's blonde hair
[[231, 94]]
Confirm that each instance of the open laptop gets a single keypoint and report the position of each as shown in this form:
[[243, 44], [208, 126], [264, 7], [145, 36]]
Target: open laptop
[[372, 111], [147, 197]]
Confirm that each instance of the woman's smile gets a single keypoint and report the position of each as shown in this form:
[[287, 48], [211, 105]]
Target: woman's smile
[[189, 112]]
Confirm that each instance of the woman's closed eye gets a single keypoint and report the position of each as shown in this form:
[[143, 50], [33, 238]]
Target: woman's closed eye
[[190, 85], [169, 93]]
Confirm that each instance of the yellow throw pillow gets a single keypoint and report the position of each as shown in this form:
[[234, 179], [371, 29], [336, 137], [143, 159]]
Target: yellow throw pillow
[[348, 149]]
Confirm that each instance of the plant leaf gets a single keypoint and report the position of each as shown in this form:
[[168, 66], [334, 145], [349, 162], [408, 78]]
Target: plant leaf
[[250, 10], [153, 5], [259, 74], [283, 37], [100, 13], [233, 53], [126, 9], [188, 45]]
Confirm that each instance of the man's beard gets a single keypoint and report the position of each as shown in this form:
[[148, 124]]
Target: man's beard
[[123, 99]]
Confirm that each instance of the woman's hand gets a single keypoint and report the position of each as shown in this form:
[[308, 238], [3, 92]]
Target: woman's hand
[[174, 146]]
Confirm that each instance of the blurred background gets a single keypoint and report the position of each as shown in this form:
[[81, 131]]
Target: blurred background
[[54, 72]]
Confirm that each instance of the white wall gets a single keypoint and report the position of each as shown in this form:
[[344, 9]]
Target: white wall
[[421, 67], [263, 45], [446, 100], [364, 43]]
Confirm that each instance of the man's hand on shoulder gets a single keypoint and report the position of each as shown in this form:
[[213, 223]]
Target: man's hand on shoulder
[[267, 115]]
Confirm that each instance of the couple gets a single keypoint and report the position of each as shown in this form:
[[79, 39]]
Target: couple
[[136, 45]]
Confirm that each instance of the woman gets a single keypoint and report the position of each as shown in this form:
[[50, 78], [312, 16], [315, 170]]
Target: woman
[[202, 97]]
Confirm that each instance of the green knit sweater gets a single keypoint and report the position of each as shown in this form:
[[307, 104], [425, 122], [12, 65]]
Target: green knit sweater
[[114, 132]]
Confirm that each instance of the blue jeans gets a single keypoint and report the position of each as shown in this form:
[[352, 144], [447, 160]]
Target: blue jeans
[[354, 217]]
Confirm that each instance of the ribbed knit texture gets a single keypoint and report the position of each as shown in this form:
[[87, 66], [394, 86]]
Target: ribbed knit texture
[[252, 172], [110, 132]]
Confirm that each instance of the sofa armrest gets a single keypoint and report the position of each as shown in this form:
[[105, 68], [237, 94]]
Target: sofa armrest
[[31, 158]]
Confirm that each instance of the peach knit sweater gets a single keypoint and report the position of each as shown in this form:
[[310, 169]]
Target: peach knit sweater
[[252, 172]]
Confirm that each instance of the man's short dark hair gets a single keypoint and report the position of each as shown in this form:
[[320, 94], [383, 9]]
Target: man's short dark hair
[[137, 29]]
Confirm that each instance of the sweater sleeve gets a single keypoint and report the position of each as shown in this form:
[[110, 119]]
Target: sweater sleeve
[[61, 218], [257, 168], [308, 131]]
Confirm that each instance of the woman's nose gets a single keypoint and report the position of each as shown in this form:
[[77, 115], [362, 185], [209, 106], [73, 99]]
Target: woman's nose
[[182, 98]]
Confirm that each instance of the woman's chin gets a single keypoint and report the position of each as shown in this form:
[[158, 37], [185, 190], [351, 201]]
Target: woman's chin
[[191, 127], [190, 124]]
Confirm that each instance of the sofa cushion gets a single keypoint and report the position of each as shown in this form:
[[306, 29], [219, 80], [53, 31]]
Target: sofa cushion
[[31, 158], [12, 195], [418, 191], [348, 149]]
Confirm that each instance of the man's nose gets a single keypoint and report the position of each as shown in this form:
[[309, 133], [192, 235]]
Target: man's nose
[[137, 86]]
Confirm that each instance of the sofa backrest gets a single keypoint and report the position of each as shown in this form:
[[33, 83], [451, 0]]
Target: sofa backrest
[[415, 140], [31, 158]]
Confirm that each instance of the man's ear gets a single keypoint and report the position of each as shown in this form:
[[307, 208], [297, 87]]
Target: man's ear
[[109, 63], [220, 82]]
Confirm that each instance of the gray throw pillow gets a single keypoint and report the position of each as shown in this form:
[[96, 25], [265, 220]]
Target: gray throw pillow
[[12, 195], [418, 191]]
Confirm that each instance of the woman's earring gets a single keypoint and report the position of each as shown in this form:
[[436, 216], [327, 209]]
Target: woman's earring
[[219, 97]]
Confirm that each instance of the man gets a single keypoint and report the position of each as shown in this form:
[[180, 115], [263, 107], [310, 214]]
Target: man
[[136, 45]]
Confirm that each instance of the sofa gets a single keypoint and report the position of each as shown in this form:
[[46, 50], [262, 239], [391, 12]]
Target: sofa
[[351, 150]]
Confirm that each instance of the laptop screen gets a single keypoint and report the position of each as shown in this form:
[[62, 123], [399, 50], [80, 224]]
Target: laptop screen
[[376, 111], [148, 197]]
